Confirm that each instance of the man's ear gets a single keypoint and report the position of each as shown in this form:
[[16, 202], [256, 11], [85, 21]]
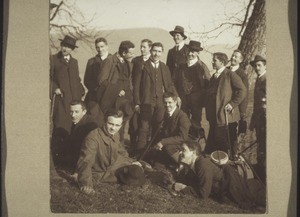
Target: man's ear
[[84, 111]]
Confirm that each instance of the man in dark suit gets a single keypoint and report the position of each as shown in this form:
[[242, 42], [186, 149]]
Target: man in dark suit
[[151, 82], [179, 53], [235, 66], [258, 119], [137, 68], [115, 82], [224, 94], [90, 78], [191, 84], [65, 86], [174, 131]]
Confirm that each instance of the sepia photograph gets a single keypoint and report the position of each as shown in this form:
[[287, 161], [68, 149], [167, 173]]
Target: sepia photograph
[[148, 107], [152, 113]]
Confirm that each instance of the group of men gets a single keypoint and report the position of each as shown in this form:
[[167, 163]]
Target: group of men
[[162, 104]]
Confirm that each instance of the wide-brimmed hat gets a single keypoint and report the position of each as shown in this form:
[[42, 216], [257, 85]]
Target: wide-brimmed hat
[[219, 157], [68, 40], [256, 59], [132, 175], [180, 30], [195, 45]]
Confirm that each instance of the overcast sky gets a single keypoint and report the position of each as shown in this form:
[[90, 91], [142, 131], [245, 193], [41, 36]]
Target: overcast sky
[[193, 15]]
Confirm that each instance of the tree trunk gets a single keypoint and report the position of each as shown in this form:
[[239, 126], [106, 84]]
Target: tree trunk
[[253, 40]]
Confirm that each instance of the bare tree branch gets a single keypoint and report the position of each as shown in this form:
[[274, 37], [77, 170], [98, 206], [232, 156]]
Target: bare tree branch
[[56, 10], [246, 17]]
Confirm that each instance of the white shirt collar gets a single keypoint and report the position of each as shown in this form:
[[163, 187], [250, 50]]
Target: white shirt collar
[[234, 68], [103, 57], [180, 45], [218, 72], [171, 112], [120, 58], [262, 74], [192, 62], [145, 58], [154, 64], [67, 57]]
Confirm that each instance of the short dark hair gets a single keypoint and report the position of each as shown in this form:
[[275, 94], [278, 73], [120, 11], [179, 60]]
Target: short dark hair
[[148, 41], [239, 51], [125, 46], [157, 44], [170, 94], [222, 57], [193, 146], [79, 102], [101, 39], [114, 113]]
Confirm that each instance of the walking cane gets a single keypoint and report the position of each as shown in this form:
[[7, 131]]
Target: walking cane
[[52, 105], [228, 134], [151, 141]]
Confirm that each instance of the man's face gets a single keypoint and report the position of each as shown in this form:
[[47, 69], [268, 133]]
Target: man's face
[[156, 53], [236, 58], [145, 49], [113, 124], [193, 54], [260, 67], [101, 48], [170, 104], [216, 63], [177, 38], [186, 155], [77, 113], [129, 55], [65, 50]]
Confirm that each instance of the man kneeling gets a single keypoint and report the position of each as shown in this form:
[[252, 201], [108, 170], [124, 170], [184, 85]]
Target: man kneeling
[[102, 154]]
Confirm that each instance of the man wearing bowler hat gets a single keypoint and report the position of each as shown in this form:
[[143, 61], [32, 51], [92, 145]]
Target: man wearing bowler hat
[[179, 53], [65, 86], [258, 120], [191, 84]]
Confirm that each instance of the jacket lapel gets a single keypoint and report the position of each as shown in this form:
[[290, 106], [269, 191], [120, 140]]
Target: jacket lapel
[[148, 70]]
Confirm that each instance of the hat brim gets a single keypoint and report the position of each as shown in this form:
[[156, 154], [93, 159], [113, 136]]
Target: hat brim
[[254, 61], [219, 157], [195, 49], [70, 45], [174, 32]]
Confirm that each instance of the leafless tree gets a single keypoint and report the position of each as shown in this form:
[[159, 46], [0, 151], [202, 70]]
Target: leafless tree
[[67, 18]]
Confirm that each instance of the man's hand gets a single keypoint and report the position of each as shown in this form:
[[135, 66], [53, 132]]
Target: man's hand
[[87, 190], [137, 109], [122, 93], [58, 92], [228, 107], [158, 146]]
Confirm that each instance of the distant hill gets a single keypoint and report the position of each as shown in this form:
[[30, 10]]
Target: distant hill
[[114, 37]]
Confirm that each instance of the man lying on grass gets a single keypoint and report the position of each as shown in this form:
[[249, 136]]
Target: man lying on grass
[[203, 178], [103, 158]]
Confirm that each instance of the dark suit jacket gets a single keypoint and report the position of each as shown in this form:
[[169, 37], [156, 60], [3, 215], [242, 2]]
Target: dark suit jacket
[[112, 80], [175, 129], [65, 76], [144, 89], [230, 90], [175, 58], [137, 68], [244, 103]]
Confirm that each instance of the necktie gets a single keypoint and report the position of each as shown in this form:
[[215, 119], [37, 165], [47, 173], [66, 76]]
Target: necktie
[[66, 59], [177, 47]]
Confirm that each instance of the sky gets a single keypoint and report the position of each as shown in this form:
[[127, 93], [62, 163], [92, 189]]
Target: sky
[[193, 15]]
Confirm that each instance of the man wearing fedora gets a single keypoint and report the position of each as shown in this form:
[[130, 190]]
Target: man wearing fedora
[[224, 94], [102, 154], [179, 53], [65, 86], [92, 71], [258, 119], [191, 84]]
